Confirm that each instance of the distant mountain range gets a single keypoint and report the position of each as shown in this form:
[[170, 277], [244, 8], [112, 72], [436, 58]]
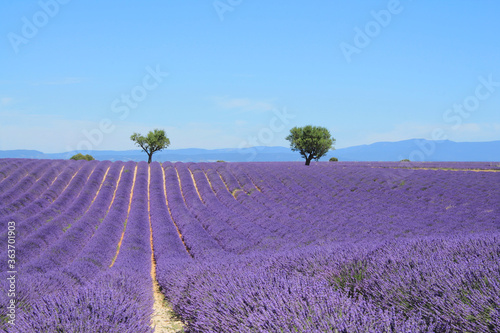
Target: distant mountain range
[[415, 150]]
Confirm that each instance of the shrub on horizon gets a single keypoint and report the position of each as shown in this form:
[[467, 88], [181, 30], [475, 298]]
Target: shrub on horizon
[[80, 156], [333, 159]]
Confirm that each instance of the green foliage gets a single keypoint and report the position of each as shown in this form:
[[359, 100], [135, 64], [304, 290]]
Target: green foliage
[[405, 160], [333, 159], [80, 156], [312, 142], [349, 276], [156, 140], [221, 161]]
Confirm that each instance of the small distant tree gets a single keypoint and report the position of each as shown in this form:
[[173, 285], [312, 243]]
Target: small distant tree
[[333, 159], [405, 160], [156, 140], [80, 156], [220, 161], [312, 142]]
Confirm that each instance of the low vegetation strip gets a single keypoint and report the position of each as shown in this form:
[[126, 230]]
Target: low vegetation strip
[[99, 189], [126, 220], [170, 213], [116, 188], [454, 169], [346, 247], [195, 185]]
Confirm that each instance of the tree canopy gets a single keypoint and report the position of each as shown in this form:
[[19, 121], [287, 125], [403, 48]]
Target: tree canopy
[[312, 142], [80, 156], [156, 140]]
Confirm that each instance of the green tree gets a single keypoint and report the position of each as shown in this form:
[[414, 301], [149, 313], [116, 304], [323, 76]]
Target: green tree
[[80, 156], [155, 141], [311, 141], [333, 159]]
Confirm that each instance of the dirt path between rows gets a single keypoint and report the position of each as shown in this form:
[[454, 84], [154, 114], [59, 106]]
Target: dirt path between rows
[[164, 319]]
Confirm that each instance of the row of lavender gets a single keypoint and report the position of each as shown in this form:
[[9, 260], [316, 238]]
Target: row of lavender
[[68, 240], [335, 246]]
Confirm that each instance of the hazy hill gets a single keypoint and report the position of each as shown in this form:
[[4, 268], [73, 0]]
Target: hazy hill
[[415, 150]]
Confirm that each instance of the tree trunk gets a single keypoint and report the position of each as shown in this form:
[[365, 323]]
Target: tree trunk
[[150, 157], [308, 160]]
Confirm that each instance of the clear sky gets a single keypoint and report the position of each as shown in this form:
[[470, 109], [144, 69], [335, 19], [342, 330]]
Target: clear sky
[[234, 73]]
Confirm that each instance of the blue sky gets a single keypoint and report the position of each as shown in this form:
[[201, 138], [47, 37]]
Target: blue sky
[[237, 73]]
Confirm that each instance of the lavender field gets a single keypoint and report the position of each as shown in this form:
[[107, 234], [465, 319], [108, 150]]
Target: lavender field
[[251, 247]]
